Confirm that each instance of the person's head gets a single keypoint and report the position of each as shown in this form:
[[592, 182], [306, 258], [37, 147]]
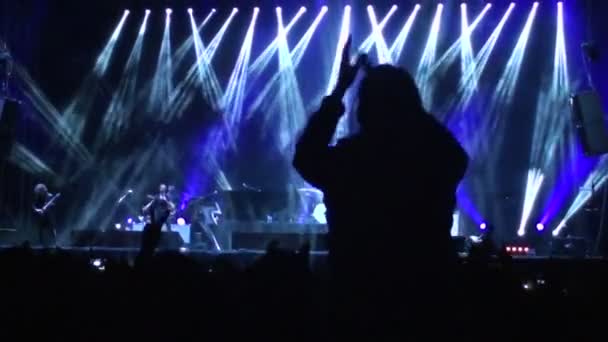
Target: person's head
[[388, 96], [162, 189], [41, 191]]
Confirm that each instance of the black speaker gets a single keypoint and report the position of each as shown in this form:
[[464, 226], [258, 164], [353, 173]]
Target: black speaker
[[590, 123], [9, 112]]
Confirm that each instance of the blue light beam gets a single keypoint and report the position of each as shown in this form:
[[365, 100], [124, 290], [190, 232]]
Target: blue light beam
[[397, 47], [428, 58], [123, 100], [379, 41], [506, 86]]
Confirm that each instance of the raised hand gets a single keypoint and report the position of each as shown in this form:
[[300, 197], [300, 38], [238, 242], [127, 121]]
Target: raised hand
[[348, 71]]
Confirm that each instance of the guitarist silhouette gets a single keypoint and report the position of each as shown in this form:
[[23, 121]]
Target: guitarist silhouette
[[43, 203]]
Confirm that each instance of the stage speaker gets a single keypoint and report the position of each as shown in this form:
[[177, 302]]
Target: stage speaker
[[9, 113], [590, 122]]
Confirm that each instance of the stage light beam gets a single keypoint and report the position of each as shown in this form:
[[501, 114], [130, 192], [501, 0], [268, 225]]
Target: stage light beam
[[211, 89], [379, 41], [596, 179], [428, 58], [508, 81], [397, 46], [232, 102], [344, 33], [261, 62], [443, 63], [474, 71], [103, 60], [162, 87], [123, 100], [75, 113], [290, 104], [368, 43], [466, 49], [534, 183], [184, 48], [142, 30], [296, 56]]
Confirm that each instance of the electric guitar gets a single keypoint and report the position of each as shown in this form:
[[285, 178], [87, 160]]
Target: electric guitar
[[47, 205]]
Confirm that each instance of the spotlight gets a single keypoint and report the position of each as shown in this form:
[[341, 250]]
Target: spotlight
[[117, 225], [440, 5], [234, 10], [463, 5], [181, 221], [347, 7], [213, 10], [417, 6], [97, 262], [129, 220], [183, 249], [256, 9], [540, 227], [127, 11], [168, 11], [370, 7], [324, 8], [483, 226], [508, 249], [190, 10], [520, 249], [394, 7], [526, 249], [147, 11], [303, 9], [278, 9]]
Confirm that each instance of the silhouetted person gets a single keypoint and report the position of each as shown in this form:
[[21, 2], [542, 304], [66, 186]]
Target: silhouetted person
[[161, 205], [42, 207], [390, 195]]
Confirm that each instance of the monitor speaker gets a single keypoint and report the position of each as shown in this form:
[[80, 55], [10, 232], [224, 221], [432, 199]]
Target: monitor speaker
[[590, 122]]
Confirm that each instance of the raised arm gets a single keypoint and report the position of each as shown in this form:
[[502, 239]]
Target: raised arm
[[313, 157]]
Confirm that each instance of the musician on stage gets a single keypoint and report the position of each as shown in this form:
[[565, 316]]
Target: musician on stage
[[43, 205], [160, 206]]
